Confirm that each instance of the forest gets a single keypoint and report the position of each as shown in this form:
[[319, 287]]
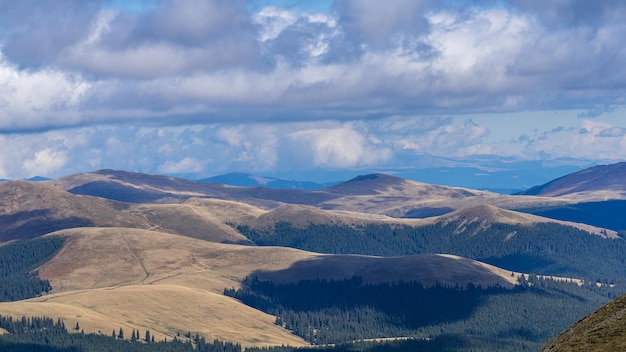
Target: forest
[[543, 248], [18, 260], [340, 311], [48, 335]]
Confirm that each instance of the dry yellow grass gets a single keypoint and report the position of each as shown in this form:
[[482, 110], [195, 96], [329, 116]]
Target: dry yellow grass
[[165, 310], [206, 219], [107, 278]]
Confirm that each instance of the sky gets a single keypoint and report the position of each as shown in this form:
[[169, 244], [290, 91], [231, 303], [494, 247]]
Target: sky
[[198, 88]]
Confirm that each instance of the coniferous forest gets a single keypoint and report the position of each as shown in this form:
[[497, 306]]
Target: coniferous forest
[[544, 248], [18, 260], [522, 318]]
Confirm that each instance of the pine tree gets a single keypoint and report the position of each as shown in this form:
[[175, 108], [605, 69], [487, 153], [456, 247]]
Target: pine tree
[[77, 327], [121, 334], [148, 336]]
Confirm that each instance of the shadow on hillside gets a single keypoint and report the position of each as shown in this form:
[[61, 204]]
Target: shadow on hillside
[[31, 224], [326, 289]]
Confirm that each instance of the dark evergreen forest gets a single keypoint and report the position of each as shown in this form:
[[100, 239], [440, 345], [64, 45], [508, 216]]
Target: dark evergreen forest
[[18, 260], [324, 312], [45, 334], [544, 248]]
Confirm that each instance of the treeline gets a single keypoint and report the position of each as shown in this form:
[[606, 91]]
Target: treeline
[[324, 312], [45, 334], [543, 248], [441, 343], [18, 260]]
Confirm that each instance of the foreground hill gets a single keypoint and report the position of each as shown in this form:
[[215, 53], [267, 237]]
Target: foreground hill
[[599, 182], [107, 278], [603, 330]]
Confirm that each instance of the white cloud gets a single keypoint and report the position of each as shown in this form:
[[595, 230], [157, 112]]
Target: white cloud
[[45, 162], [32, 99], [184, 166], [339, 147]]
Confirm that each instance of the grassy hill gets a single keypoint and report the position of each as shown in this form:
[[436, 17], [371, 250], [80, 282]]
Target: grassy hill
[[31, 209], [601, 182], [603, 330], [515, 241], [107, 278]]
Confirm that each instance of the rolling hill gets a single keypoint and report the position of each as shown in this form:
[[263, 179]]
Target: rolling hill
[[107, 278], [375, 194], [596, 183], [140, 248], [31, 209]]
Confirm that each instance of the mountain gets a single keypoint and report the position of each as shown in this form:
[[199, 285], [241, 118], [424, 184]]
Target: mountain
[[598, 182], [375, 194], [508, 239], [603, 330], [249, 180], [597, 196], [31, 209], [158, 253]]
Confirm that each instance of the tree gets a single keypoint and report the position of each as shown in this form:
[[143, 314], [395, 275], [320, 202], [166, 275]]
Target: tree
[[77, 327], [148, 336], [120, 335]]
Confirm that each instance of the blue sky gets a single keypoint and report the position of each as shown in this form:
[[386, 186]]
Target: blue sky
[[203, 87]]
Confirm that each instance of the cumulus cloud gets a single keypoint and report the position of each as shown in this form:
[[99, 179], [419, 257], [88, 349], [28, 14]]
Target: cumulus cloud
[[338, 147], [216, 85], [192, 61]]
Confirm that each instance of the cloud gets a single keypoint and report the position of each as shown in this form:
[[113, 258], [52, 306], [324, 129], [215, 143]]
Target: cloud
[[337, 147], [192, 61], [210, 86]]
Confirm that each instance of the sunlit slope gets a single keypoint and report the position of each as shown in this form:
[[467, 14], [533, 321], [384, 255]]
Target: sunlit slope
[[603, 330], [107, 278], [206, 219], [596, 183], [376, 194]]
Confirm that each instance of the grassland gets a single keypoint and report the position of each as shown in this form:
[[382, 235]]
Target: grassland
[[107, 278]]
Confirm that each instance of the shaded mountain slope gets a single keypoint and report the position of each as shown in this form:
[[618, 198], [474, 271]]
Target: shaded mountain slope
[[603, 330], [603, 181], [31, 209]]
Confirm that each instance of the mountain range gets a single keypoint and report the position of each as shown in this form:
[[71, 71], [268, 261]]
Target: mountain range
[[134, 242]]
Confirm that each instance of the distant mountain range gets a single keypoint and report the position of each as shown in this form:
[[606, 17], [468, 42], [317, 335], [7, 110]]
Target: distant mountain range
[[249, 180]]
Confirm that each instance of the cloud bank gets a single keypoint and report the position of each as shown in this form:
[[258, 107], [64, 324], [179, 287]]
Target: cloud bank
[[360, 84]]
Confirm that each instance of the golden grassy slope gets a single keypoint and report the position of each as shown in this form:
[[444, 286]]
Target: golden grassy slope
[[206, 219], [107, 278], [603, 330]]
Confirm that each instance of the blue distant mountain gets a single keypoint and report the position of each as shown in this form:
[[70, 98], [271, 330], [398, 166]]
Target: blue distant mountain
[[38, 179], [248, 180]]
